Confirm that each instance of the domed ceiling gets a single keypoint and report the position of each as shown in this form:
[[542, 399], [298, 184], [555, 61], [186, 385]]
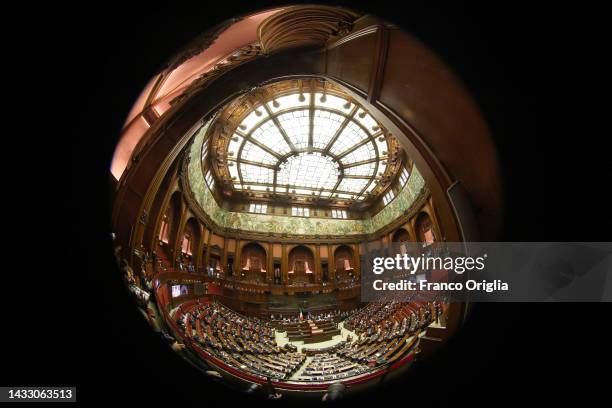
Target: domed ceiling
[[303, 140], [202, 201]]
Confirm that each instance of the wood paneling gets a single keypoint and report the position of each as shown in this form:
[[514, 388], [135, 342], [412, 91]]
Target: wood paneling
[[420, 89], [352, 60]]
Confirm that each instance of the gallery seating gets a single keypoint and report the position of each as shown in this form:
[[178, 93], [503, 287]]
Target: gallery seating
[[383, 334]]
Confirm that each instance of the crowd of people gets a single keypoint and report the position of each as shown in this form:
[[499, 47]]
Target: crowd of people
[[329, 367], [316, 317], [388, 316], [384, 332], [247, 343], [221, 327]]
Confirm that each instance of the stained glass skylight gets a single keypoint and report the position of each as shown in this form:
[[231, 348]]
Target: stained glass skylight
[[308, 144], [308, 170]]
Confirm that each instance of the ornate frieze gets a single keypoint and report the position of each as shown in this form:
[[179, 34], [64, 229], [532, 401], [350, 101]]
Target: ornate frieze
[[304, 26]]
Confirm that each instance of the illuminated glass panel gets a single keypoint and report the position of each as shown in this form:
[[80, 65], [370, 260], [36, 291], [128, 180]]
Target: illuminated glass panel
[[333, 102], [205, 149], [350, 136], [269, 135], [233, 169], [258, 208], [326, 124], [383, 146], [309, 170], [403, 177], [382, 167], [306, 145], [252, 119], [300, 212], [234, 146], [388, 197], [256, 174], [338, 214], [361, 170], [289, 101], [303, 191], [257, 187], [210, 180], [297, 127], [352, 185], [367, 121], [362, 153], [252, 152]]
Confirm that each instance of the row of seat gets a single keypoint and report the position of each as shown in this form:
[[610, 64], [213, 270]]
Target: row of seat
[[327, 367], [245, 343], [384, 315], [270, 366], [249, 344], [330, 349], [394, 334]]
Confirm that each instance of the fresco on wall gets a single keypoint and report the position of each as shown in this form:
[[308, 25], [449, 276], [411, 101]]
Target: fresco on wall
[[292, 225], [399, 205]]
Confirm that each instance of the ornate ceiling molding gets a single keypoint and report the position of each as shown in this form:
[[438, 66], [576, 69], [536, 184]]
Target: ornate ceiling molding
[[227, 122], [238, 57], [304, 26], [298, 26], [200, 44]]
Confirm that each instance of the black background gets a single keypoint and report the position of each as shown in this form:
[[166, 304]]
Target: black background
[[539, 75]]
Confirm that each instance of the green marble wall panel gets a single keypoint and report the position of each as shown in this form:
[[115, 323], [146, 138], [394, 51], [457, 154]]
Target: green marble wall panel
[[292, 225]]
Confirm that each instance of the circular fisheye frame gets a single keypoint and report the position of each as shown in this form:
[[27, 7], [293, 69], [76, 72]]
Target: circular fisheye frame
[[260, 166]]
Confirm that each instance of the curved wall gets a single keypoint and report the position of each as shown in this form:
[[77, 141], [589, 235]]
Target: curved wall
[[287, 224]]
